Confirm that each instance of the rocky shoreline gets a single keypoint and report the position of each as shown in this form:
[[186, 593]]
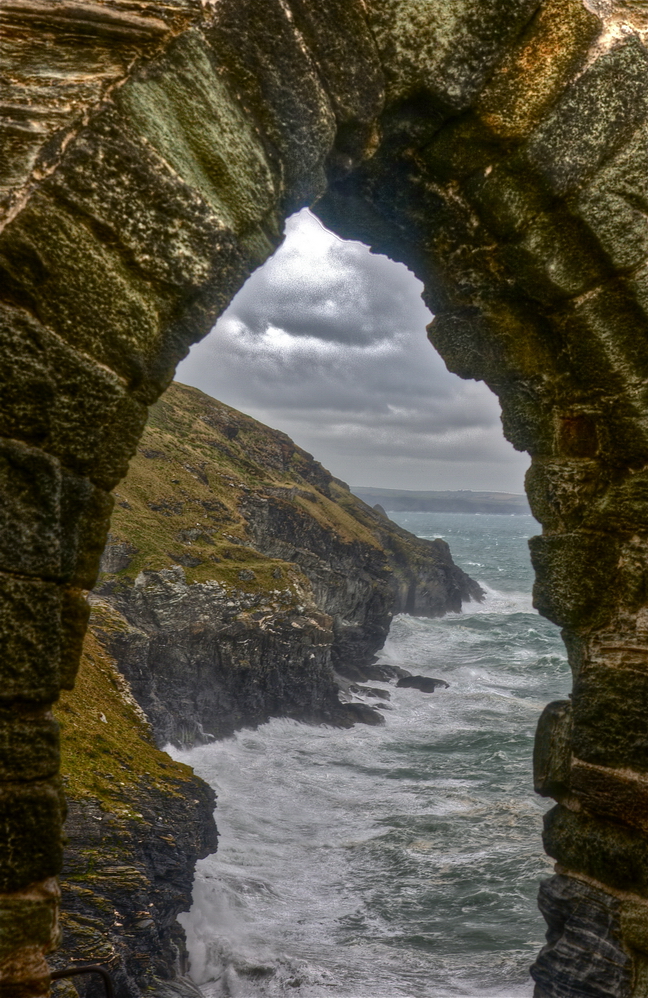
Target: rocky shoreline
[[241, 582]]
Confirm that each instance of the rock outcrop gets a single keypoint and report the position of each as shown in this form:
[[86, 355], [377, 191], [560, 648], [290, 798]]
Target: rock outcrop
[[240, 574], [137, 822]]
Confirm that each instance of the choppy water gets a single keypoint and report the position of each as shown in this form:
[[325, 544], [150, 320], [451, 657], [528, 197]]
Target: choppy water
[[400, 861]]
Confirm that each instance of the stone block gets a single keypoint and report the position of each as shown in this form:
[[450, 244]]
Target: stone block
[[552, 750], [461, 337], [595, 116], [619, 795], [30, 914], [622, 506], [263, 57], [554, 259], [30, 516], [562, 490], [610, 716], [575, 577], [31, 847], [345, 53], [615, 204], [577, 434], [603, 333], [527, 81], [53, 261], [507, 199], [85, 519], [459, 149], [525, 420], [585, 954], [449, 50], [634, 924], [604, 850], [29, 745], [52, 524], [501, 336], [58, 399], [114, 175], [30, 631]]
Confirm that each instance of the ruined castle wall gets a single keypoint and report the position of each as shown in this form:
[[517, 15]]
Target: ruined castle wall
[[152, 151]]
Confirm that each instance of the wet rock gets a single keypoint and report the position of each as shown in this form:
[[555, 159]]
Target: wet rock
[[367, 673], [423, 683], [370, 691], [584, 954], [361, 713]]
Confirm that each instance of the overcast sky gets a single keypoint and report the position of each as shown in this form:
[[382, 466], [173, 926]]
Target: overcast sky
[[327, 342]]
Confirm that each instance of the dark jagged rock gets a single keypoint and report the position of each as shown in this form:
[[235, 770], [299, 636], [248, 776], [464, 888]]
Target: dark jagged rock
[[370, 691], [423, 683], [252, 574], [362, 712]]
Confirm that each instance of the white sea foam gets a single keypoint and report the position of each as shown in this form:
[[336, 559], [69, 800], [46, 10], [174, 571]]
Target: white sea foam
[[398, 861]]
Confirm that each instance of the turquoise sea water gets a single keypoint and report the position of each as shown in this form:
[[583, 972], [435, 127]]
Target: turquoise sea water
[[399, 861]]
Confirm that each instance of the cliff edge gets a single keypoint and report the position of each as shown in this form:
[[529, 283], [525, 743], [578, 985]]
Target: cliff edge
[[137, 821], [240, 576]]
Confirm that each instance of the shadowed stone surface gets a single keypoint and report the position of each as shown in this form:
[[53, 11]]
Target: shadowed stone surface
[[151, 152]]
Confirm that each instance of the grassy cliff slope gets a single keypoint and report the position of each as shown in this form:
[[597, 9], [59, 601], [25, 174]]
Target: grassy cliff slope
[[245, 574]]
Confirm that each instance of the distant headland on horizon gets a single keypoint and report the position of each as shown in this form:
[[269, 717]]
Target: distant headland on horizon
[[459, 501]]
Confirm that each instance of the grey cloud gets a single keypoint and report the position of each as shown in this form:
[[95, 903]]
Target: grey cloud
[[327, 342]]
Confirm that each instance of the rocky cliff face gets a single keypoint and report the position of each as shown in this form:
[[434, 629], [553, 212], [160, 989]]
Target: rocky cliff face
[[240, 574], [137, 822], [238, 579]]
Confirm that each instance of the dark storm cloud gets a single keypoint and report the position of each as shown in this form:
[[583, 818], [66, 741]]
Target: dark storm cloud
[[347, 296], [327, 342]]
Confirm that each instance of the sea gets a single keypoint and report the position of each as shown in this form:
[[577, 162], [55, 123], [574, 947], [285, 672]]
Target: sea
[[399, 861]]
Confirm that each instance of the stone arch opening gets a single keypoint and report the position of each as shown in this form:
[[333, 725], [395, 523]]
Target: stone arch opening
[[497, 148]]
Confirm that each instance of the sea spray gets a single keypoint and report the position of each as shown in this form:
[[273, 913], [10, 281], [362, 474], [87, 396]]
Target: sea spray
[[401, 860]]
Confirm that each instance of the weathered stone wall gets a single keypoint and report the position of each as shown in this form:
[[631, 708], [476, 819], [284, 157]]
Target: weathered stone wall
[[498, 147]]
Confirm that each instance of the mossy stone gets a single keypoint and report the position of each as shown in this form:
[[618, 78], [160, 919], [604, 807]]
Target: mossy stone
[[31, 817], [528, 80], [30, 628], [51, 260], [604, 850], [260, 52], [610, 718], [183, 106], [575, 576]]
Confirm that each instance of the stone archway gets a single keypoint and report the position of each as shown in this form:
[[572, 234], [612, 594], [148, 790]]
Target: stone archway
[[499, 148]]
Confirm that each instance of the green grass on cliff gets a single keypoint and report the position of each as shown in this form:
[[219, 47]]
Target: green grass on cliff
[[197, 461], [107, 748]]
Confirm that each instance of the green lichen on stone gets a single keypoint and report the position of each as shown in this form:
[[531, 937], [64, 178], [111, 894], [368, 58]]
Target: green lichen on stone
[[184, 107], [53, 261]]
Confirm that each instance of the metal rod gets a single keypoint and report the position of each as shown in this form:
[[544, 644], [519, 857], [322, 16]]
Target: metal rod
[[90, 968]]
